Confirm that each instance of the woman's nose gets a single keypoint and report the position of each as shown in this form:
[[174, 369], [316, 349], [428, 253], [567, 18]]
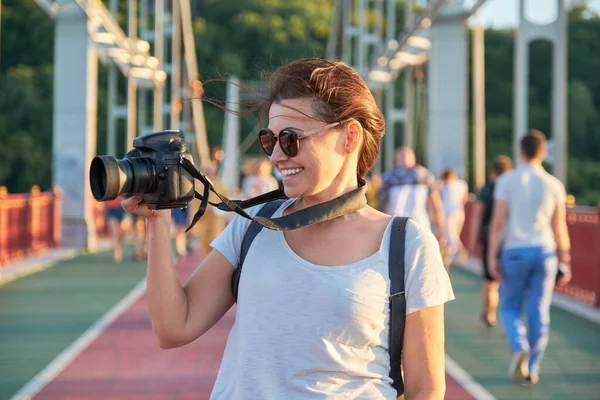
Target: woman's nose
[[278, 155]]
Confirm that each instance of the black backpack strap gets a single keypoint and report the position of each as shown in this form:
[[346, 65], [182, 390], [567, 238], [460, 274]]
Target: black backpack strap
[[254, 229], [397, 300]]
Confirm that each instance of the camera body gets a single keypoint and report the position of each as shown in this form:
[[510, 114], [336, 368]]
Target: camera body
[[151, 168]]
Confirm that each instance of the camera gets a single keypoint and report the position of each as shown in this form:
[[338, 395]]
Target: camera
[[152, 168]]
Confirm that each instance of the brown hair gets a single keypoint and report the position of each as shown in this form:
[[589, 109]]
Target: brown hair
[[447, 174], [501, 164], [533, 143], [338, 93]]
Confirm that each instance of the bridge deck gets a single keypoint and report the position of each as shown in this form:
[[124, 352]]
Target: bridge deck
[[43, 314]]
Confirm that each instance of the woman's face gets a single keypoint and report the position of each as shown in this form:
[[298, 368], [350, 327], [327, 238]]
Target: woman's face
[[320, 156]]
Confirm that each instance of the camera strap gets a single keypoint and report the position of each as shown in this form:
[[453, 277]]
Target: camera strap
[[344, 204]]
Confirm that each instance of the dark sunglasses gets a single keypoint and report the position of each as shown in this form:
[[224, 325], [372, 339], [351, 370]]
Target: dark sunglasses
[[289, 138]]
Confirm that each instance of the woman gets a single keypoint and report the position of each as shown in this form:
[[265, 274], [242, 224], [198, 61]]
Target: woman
[[454, 193], [115, 215], [313, 310], [260, 181], [480, 227]]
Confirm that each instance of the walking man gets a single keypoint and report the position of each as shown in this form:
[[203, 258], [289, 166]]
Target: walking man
[[529, 218]]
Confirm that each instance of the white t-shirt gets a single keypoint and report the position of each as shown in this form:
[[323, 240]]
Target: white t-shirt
[[408, 193], [532, 195], [306, 331], [453, 194], [253, 186]]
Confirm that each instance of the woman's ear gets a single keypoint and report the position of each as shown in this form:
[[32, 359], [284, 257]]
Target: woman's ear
[[354, 133]]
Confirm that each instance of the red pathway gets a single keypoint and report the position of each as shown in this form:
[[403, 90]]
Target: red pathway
[[125, 362]]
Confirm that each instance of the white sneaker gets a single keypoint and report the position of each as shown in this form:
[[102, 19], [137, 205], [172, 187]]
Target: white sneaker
[[519, 368]]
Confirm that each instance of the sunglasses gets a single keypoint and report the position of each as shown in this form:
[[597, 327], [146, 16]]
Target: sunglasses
[[289, 139]]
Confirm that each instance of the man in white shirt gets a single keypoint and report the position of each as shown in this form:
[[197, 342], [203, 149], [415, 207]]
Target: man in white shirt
[[529, 217], [408, 190]]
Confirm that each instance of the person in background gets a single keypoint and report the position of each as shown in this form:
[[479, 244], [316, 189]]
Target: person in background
[[529, 219], [479, 231], [138, 237], [373, 183], [212, 222], [454, 193], [181, 220], [115, 216], [408, 190], [260, 181]]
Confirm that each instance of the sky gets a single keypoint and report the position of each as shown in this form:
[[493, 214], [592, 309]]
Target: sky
[[503, 13]]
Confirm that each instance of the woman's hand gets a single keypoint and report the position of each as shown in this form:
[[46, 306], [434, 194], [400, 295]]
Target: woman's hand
[[135, 205]]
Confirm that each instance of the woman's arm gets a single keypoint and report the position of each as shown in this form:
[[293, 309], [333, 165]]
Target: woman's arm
[[180, 314], [423, 355]]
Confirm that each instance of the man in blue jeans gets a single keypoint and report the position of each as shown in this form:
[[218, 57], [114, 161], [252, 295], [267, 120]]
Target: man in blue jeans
[[529, 218]]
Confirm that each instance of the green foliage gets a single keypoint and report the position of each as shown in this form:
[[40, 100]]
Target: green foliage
[[252, 37], [583, 98]]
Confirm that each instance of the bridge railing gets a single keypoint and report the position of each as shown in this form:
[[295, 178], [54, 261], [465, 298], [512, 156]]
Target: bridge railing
[[30, 223], [584, 231]]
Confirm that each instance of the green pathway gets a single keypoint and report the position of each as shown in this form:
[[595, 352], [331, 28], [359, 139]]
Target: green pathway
[[42, 314], [571, 367]]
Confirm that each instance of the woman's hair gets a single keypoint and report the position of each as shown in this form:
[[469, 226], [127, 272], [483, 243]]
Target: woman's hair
[[448, 174], [338, 93]]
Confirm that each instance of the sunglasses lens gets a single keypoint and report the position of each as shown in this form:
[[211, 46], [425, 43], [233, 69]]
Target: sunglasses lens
[[288, 139], [267, 140]]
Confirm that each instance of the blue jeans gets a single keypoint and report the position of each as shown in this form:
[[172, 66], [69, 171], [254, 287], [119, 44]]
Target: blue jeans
[[528, 277]]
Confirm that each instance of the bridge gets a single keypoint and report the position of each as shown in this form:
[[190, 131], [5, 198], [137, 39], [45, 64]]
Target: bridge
[[73, 325]]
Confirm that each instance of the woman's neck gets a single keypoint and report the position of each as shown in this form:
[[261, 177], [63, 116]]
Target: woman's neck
[[336, 189]]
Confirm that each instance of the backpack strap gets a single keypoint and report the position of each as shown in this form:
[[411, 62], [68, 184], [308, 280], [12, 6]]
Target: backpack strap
[[397, 300], [254, 229]]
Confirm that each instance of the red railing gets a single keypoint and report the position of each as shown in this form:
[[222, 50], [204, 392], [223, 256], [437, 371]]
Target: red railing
[[30, 223], [584, 231]]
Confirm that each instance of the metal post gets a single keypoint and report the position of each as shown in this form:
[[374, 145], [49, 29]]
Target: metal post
[[0, 34], [556, 33], [111, 124], [390, 95], [231, 136], [409, 88], [361, 47], [448, 85], [74, 125], [176, 103], [521, 82], [347, 39], [142, 91], [559, 99], [131, 82], [159, 53], [194, 76], [478, 74]]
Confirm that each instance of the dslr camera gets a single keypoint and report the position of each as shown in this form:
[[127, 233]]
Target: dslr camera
[[152, 168]]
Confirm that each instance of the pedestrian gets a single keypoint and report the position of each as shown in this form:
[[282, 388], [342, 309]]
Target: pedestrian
[[481, 217], [529, 220]]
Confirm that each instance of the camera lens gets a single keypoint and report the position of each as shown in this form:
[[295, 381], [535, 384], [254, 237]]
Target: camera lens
[[111, 177]]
